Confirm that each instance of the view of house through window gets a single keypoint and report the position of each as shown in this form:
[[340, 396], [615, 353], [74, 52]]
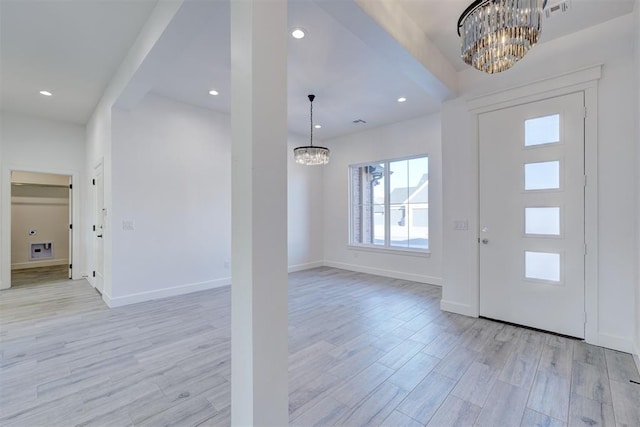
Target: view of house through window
[[389, 203]]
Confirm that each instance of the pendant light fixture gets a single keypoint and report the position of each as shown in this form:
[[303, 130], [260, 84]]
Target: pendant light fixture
[[495, 34], [310, 154]]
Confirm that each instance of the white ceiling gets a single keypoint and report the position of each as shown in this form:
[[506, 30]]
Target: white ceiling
[[350, 79], [70, 48], [73, 47]]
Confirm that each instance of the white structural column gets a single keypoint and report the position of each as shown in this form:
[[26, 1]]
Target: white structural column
[[259, 389]]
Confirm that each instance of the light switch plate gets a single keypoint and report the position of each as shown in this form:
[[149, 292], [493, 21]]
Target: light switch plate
[[461, 225]]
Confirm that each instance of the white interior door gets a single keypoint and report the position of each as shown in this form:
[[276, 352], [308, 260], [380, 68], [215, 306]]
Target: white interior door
[[70, 207], [532, 214], [99, 228]]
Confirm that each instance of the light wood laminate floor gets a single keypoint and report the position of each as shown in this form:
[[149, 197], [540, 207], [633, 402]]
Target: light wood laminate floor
[[364, 350], [39, 275]]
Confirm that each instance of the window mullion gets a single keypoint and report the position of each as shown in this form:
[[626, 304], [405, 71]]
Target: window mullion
[[387, 206], [408, 208]]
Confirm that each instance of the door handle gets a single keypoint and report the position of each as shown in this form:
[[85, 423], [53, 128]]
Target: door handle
[[99, 235], [485, 241]]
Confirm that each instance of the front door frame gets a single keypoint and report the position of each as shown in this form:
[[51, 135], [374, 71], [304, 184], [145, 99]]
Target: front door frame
[[585, 80], [5, 243]]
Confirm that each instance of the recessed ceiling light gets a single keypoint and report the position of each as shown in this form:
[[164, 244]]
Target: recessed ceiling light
[[45, 93], [317, 126], [297, 33], [213, 92], [402, 99]]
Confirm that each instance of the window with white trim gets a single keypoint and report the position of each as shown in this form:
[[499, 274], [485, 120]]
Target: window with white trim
[[389, 204]]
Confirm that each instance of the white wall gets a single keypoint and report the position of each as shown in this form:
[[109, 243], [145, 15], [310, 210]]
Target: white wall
[[39, 145], [416, 136], [609, 44], [129, 82], [305, 214], [98, 129], [171, 167], [44, 210], [172, 176]]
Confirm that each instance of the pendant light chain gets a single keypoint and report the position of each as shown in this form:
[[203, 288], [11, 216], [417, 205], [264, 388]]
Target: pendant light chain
[[311, 115]]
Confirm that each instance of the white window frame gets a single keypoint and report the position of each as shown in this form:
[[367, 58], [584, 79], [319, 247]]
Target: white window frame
[[369, 247]]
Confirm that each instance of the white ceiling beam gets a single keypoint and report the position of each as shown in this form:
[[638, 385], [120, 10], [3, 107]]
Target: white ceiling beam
[[187, 22], [386, 27], [161, 16]]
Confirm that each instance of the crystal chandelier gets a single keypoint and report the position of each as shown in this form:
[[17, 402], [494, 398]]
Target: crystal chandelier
[[495, 34], [310, 154]]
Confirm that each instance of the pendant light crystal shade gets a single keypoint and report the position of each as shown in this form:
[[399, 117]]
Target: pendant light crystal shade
[[309, 154], [495, 34]]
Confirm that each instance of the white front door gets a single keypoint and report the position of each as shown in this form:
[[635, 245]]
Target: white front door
[[532, 214], [99, 228]]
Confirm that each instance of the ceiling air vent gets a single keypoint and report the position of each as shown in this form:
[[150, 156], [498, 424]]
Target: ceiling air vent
[[556, 7], [359, 121]]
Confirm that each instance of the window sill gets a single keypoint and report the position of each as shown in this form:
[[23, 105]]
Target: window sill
[[394, 251]]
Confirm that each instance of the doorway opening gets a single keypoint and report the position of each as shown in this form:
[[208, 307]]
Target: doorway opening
[[41, 228]]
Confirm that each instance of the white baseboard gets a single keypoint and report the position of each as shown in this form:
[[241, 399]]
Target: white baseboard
[[457, 308], [39, 263], [306, 266], [613, 342], [164, 293], [394, 274], [636, 356], [184, 289]]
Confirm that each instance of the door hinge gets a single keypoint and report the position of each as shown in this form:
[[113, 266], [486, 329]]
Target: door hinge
[[70, 226], [585, 317], [93, 182], [585, 180], [70, 186], [94, 228], [585, 248], [584, 112], [94, 273], [70, 266]]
